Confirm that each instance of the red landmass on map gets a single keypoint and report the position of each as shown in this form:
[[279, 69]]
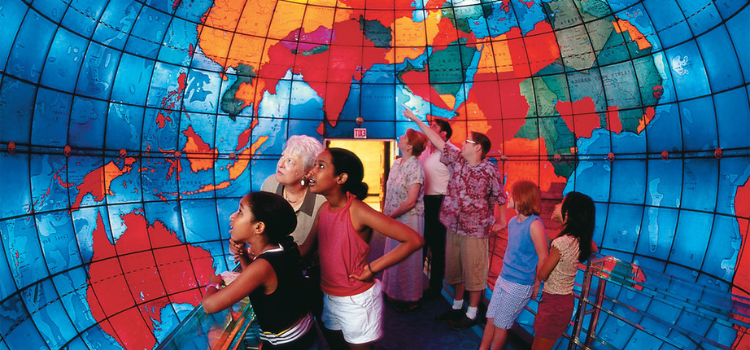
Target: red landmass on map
[[508, 115], [580, 116], [331, 72], [128, 276], [416, 82], [97, 183], [742, 269], [613, 119], [168, 103]]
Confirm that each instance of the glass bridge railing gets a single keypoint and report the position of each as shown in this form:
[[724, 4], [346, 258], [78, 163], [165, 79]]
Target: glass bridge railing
[[230, 329], [655, 310], [621, 306]]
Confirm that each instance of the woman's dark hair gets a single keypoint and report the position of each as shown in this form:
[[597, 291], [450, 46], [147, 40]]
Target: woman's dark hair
[[276, 213], [344, 161], [579, 215]]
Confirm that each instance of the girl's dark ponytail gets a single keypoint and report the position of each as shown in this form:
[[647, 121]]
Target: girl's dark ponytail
[[579, 214], [345, 161], [278, 216]]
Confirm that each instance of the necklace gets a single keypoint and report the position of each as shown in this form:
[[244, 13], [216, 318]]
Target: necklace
[[265, 249], [290, 200]]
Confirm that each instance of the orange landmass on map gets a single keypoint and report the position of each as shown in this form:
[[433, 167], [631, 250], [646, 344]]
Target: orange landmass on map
[[495, 57], [200, 154], [236, 169], [646, 119], [409, 37], [635, 34], [97, 183]]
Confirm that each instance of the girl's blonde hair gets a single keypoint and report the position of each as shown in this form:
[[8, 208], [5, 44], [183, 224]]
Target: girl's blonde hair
[[526, 197]]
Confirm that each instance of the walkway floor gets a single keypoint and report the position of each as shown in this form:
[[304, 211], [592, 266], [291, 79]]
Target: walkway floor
[[418, 329]]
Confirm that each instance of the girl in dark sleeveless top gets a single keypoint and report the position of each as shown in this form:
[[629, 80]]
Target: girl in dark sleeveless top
[[273, 280]]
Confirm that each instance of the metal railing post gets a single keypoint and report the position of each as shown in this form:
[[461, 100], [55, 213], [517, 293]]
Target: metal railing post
[[596, 311], [585, 289]]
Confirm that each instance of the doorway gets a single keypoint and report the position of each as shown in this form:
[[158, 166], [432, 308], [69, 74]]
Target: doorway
[[377, 157]]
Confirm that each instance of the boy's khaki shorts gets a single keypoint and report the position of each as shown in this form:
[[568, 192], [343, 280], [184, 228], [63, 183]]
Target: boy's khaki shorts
[[466, 261]]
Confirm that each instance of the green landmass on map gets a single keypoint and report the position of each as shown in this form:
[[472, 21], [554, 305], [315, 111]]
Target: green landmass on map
[[460, 16], [376, 32], [230, 104], [446, 76]]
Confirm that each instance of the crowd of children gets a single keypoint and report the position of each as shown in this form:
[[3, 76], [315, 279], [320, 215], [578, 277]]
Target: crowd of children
[[352, 308]]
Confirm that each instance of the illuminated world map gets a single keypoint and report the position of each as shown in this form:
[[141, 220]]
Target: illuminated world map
[[129, 129]]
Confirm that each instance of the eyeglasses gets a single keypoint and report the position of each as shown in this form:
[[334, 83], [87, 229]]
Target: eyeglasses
[[470, 141]]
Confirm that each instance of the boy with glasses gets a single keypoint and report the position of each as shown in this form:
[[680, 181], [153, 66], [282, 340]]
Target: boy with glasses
[[468, 213]]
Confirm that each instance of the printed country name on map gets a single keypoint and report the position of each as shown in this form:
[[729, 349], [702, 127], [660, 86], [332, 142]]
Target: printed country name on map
[[580, 80], [408, 34], [56, 238], [560, 23], [627, 72]]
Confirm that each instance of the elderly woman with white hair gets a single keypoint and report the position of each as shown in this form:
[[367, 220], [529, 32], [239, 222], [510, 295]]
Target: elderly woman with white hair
[[296, 160]]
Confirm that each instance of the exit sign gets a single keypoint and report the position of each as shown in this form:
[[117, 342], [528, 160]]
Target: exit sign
[[360, 133]]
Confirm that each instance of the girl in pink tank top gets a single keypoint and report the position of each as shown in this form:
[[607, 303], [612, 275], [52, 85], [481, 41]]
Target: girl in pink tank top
[[342, 230]]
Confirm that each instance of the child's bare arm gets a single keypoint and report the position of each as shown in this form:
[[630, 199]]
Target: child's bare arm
[[311, 242], [253, 276], [539, 237], [364, 216], [549, 264]]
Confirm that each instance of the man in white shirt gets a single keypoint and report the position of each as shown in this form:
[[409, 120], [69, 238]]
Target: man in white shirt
[[437, 175]]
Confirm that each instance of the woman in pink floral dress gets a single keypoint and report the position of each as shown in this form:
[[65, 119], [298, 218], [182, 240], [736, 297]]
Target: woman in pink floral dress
[[404, 202]]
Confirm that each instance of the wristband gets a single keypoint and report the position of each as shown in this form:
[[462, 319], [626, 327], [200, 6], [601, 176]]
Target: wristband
[[370, 268], [212, 284]]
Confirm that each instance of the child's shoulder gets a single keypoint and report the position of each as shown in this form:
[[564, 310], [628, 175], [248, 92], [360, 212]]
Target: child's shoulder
[[358, 206], [526, 219], [563, 241]]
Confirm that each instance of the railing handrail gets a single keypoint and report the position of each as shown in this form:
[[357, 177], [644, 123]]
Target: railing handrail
[[729, 297], [707, 302]]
